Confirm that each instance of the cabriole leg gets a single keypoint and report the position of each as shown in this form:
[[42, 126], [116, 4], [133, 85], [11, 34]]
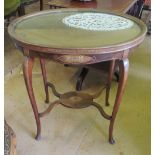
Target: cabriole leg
[[123, 69], [110, 76], [43, 69], [27, 72]]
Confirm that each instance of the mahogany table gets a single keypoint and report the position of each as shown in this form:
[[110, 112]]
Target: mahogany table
[[51, 35], [132, 7]]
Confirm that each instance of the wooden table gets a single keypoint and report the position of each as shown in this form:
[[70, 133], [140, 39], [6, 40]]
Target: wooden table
[[114, 5], [132, 7], [51, 35]]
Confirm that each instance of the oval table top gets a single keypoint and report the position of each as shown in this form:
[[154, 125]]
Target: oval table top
[[78, 30]]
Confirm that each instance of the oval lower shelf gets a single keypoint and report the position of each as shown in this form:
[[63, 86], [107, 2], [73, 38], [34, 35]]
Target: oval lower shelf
[[76, 100]]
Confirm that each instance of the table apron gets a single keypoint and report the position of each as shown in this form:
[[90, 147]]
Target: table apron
[[79, 59]]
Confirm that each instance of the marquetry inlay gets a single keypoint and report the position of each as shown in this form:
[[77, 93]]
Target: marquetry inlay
[[75, 59]]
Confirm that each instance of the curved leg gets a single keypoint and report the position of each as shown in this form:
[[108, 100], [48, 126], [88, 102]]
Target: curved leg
[[123, 68], [81, 77], [42, 64], [27, 72], [110, 75]]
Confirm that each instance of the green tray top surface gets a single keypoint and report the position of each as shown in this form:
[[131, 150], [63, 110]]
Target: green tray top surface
[[47, 29]]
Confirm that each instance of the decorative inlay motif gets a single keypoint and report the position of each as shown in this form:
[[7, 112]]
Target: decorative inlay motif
[[75, 59], [97, 21]]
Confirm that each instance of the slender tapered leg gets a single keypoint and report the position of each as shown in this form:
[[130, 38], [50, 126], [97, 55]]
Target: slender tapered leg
[[43, 69], [27, 72], [81, 78], [123, 69], [110, 75]]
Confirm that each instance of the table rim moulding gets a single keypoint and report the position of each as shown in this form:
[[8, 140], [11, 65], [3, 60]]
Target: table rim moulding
[[97, 50]]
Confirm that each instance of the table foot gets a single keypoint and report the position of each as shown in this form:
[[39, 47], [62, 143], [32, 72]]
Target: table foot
[[38, 137], [111, 141], [107, 104], [47, 101]]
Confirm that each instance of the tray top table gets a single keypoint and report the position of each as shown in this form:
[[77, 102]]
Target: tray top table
[[78, 37]]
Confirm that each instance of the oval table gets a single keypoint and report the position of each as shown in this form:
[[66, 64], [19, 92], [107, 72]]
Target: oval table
[[77, 37]]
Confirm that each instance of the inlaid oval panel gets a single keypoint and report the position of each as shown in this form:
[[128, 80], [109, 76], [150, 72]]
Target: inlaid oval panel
[[75, 59]]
